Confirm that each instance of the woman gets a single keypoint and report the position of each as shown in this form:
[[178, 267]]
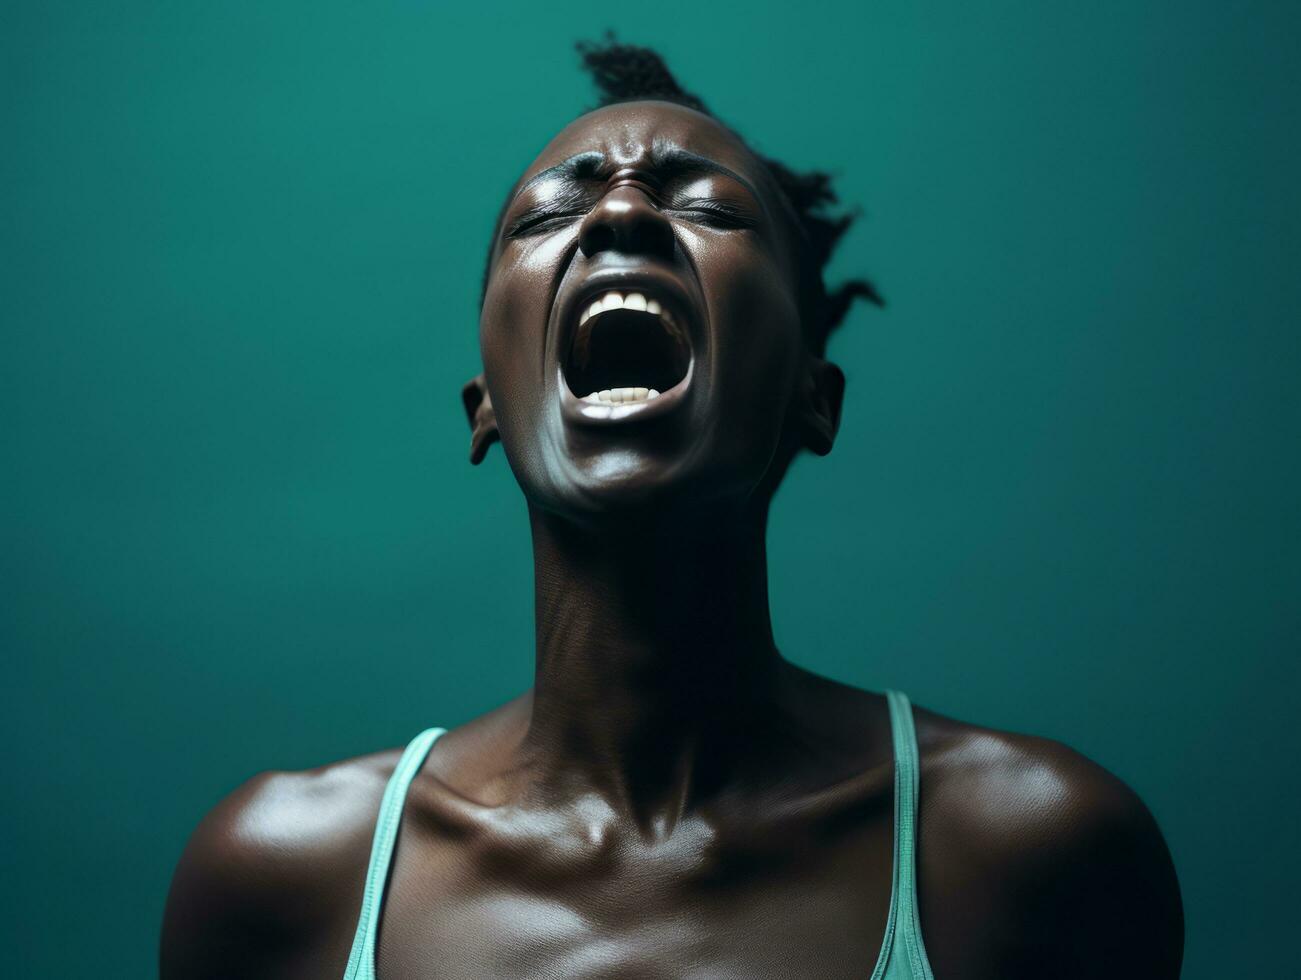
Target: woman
[[673, 798]]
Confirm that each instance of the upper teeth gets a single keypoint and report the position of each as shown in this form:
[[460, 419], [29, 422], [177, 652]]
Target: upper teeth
[[622, 301], [582, 342]]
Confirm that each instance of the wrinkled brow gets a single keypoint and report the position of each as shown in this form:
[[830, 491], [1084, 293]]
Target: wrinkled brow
[[667, 162]]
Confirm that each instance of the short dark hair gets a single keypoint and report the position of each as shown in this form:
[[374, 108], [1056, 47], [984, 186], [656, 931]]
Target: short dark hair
[[629, 73]]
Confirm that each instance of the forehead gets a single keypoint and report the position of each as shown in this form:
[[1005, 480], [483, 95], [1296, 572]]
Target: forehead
[[626, 134]]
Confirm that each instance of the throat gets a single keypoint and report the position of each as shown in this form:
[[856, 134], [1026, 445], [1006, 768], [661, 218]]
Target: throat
[[654, 651]]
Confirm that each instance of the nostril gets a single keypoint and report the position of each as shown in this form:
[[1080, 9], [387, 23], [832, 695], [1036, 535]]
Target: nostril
[[657, 237], [596, 238]]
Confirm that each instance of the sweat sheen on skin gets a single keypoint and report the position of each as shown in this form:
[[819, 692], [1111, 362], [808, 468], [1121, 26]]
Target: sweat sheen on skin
[[672, 797]]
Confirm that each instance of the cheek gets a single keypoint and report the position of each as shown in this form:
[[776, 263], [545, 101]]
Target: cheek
[[756, 329], [513, 329], [501, 323]]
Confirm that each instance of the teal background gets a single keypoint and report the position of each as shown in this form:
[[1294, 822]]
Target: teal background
[[241, 251]]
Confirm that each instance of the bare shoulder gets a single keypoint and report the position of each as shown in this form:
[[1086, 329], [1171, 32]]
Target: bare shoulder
[[1029, 790], [279, 860], [1064, 850]]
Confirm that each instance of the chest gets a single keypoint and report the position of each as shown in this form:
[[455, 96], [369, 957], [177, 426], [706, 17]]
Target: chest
[[673, 912]]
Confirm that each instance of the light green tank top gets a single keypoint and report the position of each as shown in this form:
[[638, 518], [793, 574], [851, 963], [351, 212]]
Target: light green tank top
[[902, 957]]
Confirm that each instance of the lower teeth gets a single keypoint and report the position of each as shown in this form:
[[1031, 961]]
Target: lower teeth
[[620, 396]]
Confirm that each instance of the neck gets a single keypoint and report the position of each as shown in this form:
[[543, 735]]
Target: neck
[[654, 654]]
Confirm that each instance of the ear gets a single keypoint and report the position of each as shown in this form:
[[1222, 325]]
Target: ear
[[479, 413], [819, 409]]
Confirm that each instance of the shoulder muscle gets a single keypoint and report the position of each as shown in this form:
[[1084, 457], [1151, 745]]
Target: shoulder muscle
[[275, 862], [1086, 874]]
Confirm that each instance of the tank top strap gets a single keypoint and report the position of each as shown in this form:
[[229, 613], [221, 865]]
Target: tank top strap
[[361, 961], [903, 954]]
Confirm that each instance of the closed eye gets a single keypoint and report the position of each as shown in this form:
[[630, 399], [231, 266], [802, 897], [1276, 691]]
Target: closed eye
[[537, 222], [708, 211], [719, 214]]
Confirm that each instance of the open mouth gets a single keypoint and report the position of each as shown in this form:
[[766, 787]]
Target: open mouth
[[627, 348]]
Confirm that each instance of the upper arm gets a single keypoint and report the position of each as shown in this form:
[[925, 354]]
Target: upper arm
[[269, 872], [219, 883], [1098, 891]]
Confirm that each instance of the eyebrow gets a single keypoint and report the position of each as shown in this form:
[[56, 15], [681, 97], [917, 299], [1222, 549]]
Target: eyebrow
[[670, 161]]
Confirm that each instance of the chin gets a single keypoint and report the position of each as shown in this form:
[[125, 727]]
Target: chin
[[627, 487]]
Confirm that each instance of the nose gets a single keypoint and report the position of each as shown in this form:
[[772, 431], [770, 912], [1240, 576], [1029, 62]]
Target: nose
[[626, 220]]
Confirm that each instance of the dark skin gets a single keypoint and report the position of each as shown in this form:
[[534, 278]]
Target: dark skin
[[672, 798]]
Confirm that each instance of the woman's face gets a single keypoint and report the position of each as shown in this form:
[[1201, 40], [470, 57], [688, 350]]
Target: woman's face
[[645, 250]]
